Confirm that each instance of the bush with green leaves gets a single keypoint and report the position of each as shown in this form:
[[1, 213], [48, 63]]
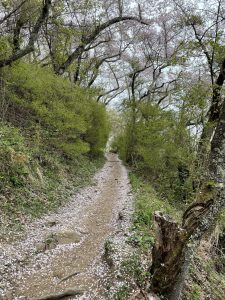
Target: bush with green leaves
[[51, 128], [35, 179], [146, 203], [159, 146], [75, 122], [98, 130], [14, 157]]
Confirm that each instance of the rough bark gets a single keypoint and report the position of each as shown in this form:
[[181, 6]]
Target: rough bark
[[77, 72], [32, 39], [16, 35], [167, 254], [171, 253], [209, 129], [213, 113]]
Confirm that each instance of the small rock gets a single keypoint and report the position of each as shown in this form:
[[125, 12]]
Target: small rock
[[152, 296], [51, 222], [40, 247], [52, 245], [50, 241]]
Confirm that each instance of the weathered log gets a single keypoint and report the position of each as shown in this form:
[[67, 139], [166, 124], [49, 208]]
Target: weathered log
[[167, 255]]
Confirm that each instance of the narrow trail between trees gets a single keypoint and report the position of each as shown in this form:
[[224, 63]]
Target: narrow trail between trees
[[62, 253]]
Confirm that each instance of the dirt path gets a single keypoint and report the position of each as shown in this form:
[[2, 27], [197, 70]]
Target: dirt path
[[63, 251]]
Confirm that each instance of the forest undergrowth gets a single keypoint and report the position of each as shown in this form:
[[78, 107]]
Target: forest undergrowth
[[206, 279], [52, 141]]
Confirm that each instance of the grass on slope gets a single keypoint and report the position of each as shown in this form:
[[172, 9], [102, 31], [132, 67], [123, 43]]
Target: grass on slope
[[206, 278], [146, 203], [134, 270], [35, 180]]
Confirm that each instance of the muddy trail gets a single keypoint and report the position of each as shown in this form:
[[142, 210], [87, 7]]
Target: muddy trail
[[62, 254]]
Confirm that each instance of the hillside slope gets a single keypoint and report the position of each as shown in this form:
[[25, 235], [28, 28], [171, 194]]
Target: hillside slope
[[52, 139]]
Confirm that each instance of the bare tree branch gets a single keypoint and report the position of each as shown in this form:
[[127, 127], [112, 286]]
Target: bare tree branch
[[12, 12], [113, 89], [32, 39], [91, 37]]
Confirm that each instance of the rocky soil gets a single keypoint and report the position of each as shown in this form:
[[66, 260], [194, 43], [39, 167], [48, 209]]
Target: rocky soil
[[64, 255]]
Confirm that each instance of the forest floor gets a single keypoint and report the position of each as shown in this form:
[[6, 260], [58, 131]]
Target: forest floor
[[67, 252]]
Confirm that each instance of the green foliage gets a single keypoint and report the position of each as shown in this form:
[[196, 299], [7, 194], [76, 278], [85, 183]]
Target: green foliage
[[14, 157], [132, 267], [146, 203], [196, 97], [122, 293], [158, 145], [98, 131], [45, 155], [76, 123], [120, 144], [108, 251], [33, 180], [195, 293], [218, 48], [108, 247], [192, 19], [5, 49]]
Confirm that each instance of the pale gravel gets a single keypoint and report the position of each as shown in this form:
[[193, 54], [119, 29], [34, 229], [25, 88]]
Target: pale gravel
[[20, 258]]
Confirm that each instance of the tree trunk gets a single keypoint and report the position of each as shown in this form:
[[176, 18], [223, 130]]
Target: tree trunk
[[213, 113], [168, 255], [174, 244], [132, 129]]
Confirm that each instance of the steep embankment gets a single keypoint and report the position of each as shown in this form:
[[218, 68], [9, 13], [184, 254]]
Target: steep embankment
[[65, 250], [52, 138]]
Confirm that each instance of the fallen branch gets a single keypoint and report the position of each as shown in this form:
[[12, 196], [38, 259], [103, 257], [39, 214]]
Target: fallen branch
[[69, 276]]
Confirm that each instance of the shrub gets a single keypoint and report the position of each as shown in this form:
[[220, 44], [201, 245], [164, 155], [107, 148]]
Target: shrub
[[159, 146], [14, 157], [76, 124]]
